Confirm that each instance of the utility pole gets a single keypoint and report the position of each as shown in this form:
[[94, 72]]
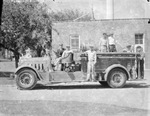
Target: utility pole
[[93, 18], [146, 11], [92, 10], [149, 19], [109, 9]]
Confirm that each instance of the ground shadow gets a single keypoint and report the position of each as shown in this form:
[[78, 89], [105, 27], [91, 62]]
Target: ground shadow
[[57, 87], [82, 85], [90, 86], [137, 85]]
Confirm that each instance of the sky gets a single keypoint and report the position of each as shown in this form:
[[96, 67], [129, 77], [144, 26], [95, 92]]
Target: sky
[[122, 8]]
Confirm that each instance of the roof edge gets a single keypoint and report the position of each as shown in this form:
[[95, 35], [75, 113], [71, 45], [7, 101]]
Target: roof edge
[[102, 20]]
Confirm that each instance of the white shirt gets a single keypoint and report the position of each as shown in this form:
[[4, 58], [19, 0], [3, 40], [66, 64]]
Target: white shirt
[[91, 55], [66, 53], [103, 42], [111, 40], [28, 55]]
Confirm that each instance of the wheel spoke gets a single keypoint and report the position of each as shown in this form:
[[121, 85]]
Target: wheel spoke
[[117, 78], [25, 79]]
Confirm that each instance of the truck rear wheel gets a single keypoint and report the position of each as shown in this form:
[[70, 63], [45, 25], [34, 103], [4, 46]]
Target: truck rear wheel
[[116, 78], [26, 79]]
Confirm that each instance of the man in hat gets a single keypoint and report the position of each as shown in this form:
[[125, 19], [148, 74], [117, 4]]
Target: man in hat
[[65, 54], [28, 53], [128, 49], [103, 44], [91, 63], [60, 50], [140, 63], [111, 43]]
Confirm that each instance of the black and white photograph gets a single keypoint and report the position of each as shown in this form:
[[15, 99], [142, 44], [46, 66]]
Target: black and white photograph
[[75, 58]]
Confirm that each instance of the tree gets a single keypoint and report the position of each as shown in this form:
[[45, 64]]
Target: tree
[[12, 27], [1, 6], [70, 15], [28, 24], [24, 25], [41, 25]]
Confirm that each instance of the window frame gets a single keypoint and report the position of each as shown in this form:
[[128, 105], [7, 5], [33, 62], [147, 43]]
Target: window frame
[[138, 40], [71, 37]]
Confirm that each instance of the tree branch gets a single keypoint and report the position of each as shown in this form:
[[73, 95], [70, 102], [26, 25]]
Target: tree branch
[[5, 47], [1, 7]]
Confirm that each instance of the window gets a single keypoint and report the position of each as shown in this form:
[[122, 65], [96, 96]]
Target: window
[[75, 42], [138, 38]]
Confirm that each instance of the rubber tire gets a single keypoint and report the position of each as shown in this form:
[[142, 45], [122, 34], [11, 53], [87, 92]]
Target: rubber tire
[[104, 83], [110, 78], [34, 79]]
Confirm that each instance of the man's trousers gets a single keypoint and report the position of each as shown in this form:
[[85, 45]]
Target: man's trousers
[[90, 70]]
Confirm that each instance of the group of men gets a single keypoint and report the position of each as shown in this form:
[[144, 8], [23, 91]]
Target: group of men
[[61, 54], [92, 59], [107, 43], [91, 53]]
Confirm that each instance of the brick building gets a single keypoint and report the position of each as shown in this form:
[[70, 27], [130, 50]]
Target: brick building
[[126, 31]]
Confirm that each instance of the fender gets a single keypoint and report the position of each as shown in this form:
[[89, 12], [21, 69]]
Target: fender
[[115, 66], [28, 67]]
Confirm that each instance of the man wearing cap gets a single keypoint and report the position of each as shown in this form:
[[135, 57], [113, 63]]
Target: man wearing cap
[[65, 54], [60, 50], [28, 53], [128, 49], [57, 61], [111, 43], [91, 63], [103, 43], [140, 63]]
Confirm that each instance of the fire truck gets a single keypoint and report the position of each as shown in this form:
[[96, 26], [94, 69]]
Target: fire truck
[[111, 69]]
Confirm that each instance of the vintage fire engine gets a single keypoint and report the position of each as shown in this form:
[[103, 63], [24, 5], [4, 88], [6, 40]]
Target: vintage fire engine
[[111, 69]]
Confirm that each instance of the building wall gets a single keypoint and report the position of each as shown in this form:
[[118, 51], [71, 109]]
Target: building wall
[[91, 31]]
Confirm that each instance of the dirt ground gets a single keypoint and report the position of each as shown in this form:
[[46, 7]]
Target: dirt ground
[[65, 108], [83, 99]]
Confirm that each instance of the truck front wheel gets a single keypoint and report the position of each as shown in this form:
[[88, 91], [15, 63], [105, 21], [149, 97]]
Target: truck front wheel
[[26, 79], [116, 78]]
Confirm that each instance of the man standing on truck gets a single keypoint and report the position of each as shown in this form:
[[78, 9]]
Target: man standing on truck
[[128, 49], [140, 63], [103, 44], [111, 43], [91, 63]]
